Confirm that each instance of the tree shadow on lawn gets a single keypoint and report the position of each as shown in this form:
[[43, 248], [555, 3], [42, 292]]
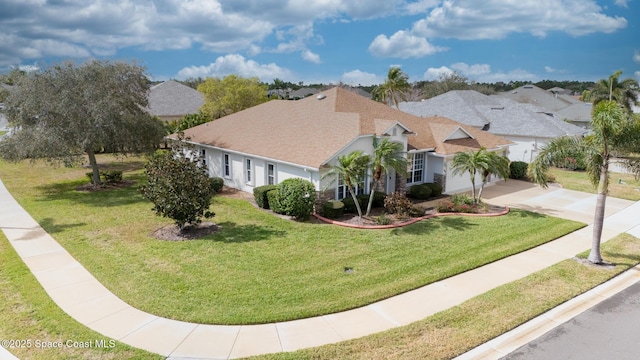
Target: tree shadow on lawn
[[48, 226], [427, 225], [115, 196], [231, 232]]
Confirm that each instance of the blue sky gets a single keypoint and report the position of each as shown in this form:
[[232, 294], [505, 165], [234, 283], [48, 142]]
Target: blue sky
[[331, 40]]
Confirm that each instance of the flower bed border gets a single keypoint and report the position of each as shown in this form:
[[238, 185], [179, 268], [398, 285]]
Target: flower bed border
[[409, 222]]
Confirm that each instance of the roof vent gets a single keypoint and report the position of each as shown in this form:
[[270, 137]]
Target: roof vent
[[321, 96]]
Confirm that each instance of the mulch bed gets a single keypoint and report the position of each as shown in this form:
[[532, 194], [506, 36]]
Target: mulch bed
[[173, 233], [106, 186]]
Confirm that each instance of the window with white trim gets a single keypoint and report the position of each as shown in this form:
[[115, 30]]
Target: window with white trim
[[226, 162], [248, 171], [343, 191], [416, 172], [271, 174]]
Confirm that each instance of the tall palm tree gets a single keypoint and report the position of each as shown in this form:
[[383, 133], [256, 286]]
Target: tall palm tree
[[387, 155], [351, 168], [481, 162], [611, 130], [395, 86], [624, 92]]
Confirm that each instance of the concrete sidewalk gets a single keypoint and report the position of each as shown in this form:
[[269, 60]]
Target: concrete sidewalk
[[80, 295]]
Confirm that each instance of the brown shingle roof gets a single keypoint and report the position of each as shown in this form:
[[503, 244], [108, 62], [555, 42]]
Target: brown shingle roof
[[310, 131]]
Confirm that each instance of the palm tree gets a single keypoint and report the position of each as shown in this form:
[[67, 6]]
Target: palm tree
[[395, 86], [351, 168], [611, 131], [498, 165], [481, 162], [624, 92], [387, 155]]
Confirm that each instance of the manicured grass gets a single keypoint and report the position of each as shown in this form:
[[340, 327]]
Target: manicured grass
[[258, 268], [28, 314], [578, 180], [461, 328]]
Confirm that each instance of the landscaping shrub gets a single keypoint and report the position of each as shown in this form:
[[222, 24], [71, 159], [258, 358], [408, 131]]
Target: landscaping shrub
[[274, 201], [398, 203], [260, 195], [383, 219], [363, 199], [296, 197], [217, 183], [420, 192], [333, 209], [518, 169], [436, 189], [458, 203], [112, 176], [378, 199]]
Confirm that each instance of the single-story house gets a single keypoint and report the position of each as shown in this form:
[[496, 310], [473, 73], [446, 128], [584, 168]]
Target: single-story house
[[171, 100], [528, 126], [281, 139]]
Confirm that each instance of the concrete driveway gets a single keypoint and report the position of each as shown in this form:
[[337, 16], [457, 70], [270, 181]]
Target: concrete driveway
[[553, 201]]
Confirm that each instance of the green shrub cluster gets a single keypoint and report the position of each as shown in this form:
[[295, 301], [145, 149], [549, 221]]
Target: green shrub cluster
[[109, 176], [363, 200], [333, 209], [425, 191], [217, 183], [518, 169], [260, 195], [420, 192], [294, 197]]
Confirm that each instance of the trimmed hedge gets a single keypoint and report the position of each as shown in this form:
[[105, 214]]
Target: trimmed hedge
[[333, 209], [260, 195], [436, 189], [420, 192], [274, 201], [217, 183], [518, 169]]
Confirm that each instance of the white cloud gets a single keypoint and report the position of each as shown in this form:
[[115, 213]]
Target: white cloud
[[308, 55], [550, 70], [236, 64], [623, 3], [403, 45], [496, 19], [637, 73], [421, 6], [436, 73], [357, 77], [479, 73], [471, 70], [636, 57]]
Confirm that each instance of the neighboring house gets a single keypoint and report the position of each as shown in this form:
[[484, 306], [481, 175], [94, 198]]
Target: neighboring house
[[303, 93], [280, 139], [566, 106], [171, 100], [528, 126]]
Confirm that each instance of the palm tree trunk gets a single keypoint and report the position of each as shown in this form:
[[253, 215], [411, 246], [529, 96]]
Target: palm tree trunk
[[481, 188], [473, 188], [355, 200], [374, 184], [598, 219]]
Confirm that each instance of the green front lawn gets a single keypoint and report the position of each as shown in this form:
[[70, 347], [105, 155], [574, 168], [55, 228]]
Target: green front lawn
[[258, 268], [621, 186]]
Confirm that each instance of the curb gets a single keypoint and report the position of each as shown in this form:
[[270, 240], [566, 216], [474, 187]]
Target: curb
[[412, 221]]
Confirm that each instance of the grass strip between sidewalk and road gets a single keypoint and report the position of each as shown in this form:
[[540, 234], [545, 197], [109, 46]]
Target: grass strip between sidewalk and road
[[461, 328]]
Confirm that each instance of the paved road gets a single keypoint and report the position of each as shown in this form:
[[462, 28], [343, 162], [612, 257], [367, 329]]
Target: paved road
[[609, 330]]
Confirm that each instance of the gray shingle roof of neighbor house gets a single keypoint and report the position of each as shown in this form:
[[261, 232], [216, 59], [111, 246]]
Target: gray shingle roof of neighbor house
[[500, 116], [311, 131], [535, 95], [173, 99], [303, 92]]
